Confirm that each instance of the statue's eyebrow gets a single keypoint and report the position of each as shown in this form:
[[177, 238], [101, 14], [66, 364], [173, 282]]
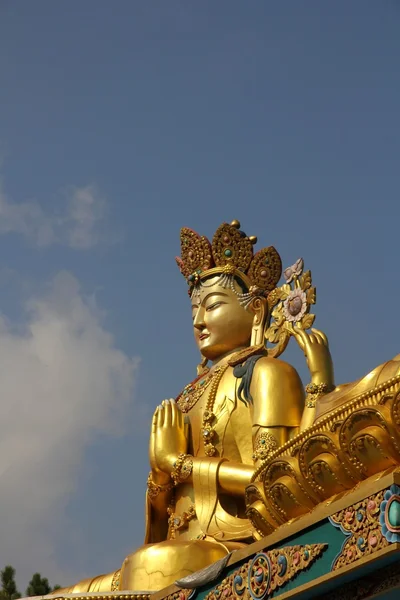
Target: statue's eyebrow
[[208, 296]]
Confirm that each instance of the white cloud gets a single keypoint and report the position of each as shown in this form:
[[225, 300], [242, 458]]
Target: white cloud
[[27, 219], [62, 381], [81, 224], [86, 210]]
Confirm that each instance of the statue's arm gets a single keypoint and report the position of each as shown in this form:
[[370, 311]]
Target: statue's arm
[[315, 346], [162, 444], [233, 477], [156, 518], [277, 405]]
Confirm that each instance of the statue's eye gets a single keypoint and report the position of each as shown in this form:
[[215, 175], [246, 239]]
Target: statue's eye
[[214, 305]]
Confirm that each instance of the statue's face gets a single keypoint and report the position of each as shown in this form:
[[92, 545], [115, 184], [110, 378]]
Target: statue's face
[[221, 324]]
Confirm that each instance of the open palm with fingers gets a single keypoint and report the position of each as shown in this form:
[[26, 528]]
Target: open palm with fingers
[[169, 437], [316, 350]]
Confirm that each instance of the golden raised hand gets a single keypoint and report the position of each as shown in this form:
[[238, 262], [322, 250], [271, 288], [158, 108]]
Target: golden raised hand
[[169, 437], [316, 350], [158, 475]]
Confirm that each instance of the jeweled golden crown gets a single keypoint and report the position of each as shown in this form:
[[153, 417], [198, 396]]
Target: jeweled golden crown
[[230, 252]]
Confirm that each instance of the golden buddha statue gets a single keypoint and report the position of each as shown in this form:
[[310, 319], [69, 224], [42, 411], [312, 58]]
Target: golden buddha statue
[[244, 404], [205, 445]]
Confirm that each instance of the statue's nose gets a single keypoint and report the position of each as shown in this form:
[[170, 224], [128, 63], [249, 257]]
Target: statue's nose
[[199, 319]]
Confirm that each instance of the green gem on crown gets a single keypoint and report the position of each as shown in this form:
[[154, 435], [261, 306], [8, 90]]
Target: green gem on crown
[[228, 253]]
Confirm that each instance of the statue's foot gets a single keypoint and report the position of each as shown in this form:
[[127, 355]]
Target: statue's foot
[[101, 583]]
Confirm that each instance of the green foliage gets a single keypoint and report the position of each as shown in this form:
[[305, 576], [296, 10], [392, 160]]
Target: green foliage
[[8, 586], [38, 586]]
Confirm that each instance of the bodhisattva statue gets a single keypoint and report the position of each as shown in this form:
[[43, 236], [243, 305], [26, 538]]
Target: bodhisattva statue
[[243, 405]]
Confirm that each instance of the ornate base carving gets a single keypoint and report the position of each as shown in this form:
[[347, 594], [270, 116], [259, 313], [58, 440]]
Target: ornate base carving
[[266, 572], [359, 440]]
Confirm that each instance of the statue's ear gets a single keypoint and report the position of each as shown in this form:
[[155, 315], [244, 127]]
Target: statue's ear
[[259, 309]]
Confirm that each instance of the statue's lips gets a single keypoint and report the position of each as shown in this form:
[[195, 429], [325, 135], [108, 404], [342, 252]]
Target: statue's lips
[[204, 336]]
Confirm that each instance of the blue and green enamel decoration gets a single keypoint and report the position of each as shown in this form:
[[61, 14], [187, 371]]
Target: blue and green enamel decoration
[[266, 572], [369, 526], [259, 576], [389, 517]]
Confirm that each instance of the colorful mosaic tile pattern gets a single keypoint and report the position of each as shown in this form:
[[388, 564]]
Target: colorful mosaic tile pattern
[[266, 572]]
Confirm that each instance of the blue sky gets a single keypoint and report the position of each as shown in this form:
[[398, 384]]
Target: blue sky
[[119, 123]]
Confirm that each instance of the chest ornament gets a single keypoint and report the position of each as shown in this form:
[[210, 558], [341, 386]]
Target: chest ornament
[[192, 392]]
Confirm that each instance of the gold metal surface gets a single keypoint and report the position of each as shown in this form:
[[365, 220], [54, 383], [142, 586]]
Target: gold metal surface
[[358, 439], [227, 469]]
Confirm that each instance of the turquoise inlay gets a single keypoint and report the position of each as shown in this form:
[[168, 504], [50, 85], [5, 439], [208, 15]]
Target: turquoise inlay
[[394, 513], [390, 517]]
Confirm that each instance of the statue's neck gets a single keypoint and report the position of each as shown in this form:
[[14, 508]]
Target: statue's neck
[[225, 357]]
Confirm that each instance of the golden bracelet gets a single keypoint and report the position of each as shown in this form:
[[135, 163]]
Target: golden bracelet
[[314, 391], [154, 489], [265, 444], [182, 468]]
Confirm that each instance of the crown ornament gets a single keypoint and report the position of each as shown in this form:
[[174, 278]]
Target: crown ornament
[[229, 254]]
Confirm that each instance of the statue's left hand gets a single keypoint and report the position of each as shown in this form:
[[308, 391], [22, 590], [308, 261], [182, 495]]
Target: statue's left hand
[[170, 435], [316, 350]]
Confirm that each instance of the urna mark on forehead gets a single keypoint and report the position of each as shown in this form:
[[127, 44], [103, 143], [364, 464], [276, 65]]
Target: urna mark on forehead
[[215, 288], [209, 296]]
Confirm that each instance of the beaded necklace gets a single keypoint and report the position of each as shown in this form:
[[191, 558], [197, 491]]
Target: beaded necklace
[[208, 415], [193, 392]]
